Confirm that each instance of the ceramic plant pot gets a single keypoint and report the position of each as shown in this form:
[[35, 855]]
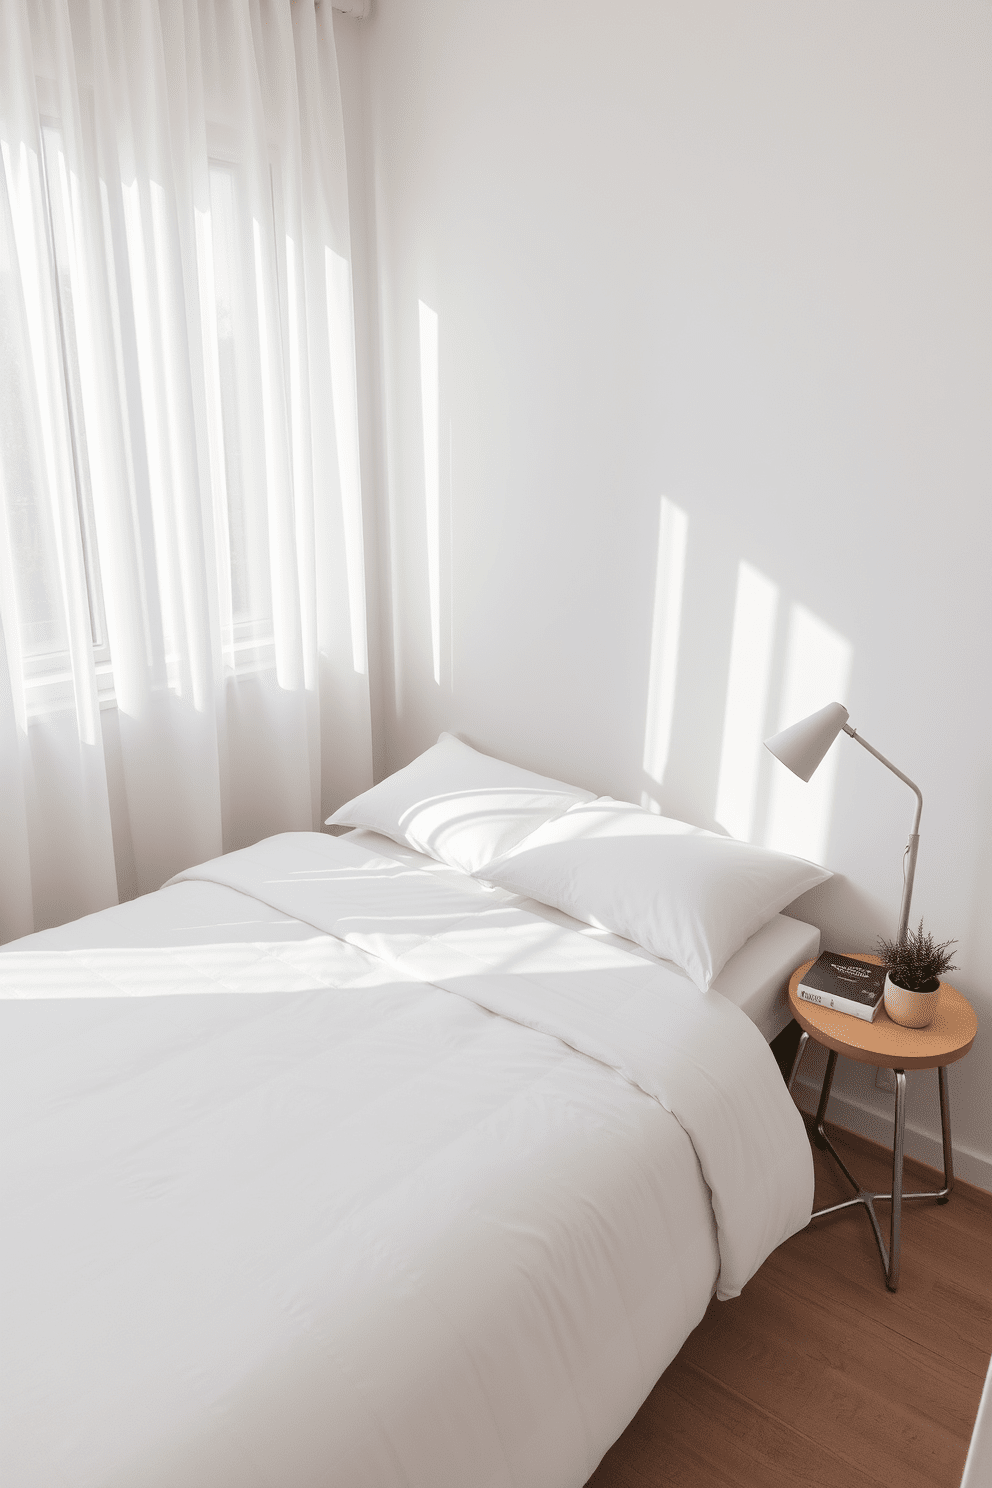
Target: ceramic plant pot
[[911, 1009]]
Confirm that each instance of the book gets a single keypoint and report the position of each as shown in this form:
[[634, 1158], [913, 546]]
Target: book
[[844, 984]]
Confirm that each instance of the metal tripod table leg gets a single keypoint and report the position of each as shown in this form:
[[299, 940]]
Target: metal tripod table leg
[[890, 1252]]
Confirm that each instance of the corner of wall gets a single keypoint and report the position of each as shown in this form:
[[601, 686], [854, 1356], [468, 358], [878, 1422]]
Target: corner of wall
[[353, 40]]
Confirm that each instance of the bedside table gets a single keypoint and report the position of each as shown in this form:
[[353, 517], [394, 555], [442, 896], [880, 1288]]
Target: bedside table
[[887, 1046]]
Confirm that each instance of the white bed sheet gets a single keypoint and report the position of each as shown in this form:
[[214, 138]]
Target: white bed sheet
[[317, 1222], [755, 979]]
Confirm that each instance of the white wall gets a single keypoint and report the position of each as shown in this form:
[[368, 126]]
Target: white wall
[[732, 258]]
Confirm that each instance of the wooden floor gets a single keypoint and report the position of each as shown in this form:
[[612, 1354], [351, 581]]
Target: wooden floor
[[817, 1374]]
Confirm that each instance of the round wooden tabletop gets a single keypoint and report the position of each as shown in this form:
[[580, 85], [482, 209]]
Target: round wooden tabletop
[[884, 1043]]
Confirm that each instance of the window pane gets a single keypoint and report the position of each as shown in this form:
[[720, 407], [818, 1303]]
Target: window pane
[[237, 361], [33, 551], [60, 210]]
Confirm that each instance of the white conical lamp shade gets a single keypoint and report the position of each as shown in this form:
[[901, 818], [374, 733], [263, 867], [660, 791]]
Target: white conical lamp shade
[[803, 745]]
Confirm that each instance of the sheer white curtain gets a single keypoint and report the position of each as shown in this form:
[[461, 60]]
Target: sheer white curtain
[[181, 564]]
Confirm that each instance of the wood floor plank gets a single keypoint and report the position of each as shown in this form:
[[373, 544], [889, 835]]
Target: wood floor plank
[[945, 1295], [771, 1363], [677, 1446], [818, 1374], [942, 1316]]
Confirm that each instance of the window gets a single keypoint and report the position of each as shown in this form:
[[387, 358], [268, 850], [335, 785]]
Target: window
[[29, 472], [242, 333], [241, 507], [60, 230]]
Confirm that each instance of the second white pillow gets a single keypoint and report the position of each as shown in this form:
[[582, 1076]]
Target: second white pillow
[[682, 893], [459, 806]]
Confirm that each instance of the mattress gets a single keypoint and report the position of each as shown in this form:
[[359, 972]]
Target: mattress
[[320, 1167]]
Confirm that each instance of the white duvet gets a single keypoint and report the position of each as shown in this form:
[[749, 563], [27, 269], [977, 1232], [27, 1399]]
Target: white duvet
[[428, 1196]]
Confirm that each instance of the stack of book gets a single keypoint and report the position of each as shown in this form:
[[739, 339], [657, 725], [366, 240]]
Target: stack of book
[[845, 984]]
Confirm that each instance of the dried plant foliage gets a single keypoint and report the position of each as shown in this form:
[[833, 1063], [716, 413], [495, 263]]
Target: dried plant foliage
[[917, 960]]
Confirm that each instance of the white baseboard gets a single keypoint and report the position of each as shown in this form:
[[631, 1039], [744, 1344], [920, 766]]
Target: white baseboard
[[846, 1110]]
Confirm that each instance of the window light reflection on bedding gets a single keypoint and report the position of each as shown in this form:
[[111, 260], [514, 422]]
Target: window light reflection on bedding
[[817, 669], [747, 700], [673, 526]]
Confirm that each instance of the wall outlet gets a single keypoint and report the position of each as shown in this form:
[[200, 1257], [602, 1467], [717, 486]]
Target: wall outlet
[[885, 1079]]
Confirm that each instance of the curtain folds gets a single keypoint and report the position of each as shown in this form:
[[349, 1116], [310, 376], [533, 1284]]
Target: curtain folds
[[183, 667]]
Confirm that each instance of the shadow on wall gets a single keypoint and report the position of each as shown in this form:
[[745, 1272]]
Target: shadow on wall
[[784, 663], [780, 660]]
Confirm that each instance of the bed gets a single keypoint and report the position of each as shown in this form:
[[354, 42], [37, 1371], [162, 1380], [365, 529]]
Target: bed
[[328, 1163]]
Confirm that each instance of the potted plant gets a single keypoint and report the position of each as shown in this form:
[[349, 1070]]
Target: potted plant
[[913, 968]]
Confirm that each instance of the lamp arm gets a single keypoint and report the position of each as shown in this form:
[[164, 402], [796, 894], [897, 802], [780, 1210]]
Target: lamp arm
[[914, 839]]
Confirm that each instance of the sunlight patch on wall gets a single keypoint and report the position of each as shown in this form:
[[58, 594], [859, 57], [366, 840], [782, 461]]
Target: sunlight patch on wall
[[817, 671], [430, 408], [673, 527], [747, 700]]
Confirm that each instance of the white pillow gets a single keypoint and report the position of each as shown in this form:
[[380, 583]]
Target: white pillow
[[682, 893], [459, 806]]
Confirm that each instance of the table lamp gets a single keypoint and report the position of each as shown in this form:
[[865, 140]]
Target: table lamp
[[802, 746]]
